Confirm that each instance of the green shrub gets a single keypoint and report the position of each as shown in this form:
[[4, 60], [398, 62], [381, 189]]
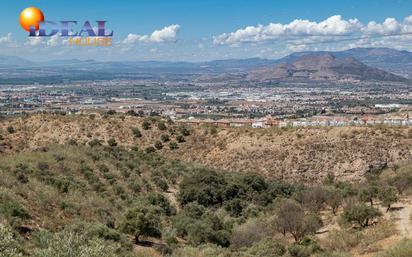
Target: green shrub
[[94, 142], [402, 249], [360, 214], [136, 132], [184, 131], [9, 246], [250, 233], [267, 247], [161, 126], [150, 149], [291, 218], [13, 209], [158, 145], [199, 226], [206, 250], [342, 240], [112, 142], [10, 129], [180, 139], [173, 145], [204, 187], [208, 230], [305, 248], [161, 201], [213, 131], [142, 220], [164, 138], [388, 196], [69, 244], [146, 125], [160, 183], [111, 112], [234, 207], [368, 192]]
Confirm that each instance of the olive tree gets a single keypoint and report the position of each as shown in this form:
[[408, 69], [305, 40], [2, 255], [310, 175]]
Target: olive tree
[[368, 193], [291, 218], [360, 214], [142, 221], [388, 195], [334, 199]]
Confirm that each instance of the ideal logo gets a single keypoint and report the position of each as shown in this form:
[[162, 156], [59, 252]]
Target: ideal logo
[[32, 20]]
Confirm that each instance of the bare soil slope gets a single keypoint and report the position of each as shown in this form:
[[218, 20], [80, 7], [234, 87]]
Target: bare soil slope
[[296, 154]]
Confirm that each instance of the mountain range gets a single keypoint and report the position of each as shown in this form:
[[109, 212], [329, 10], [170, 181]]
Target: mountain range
[[387, 59], [322, 67], [382, 64]]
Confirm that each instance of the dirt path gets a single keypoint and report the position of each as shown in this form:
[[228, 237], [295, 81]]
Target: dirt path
[[404, 218]]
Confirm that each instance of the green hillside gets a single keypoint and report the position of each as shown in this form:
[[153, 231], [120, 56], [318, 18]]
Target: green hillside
[[94, 200]]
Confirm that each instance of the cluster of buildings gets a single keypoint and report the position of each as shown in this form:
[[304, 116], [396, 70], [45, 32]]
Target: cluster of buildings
[[315, 121]]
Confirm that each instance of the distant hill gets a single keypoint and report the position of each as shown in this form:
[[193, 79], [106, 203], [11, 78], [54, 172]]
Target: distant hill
[[366, 61], [8, 61], [321, 66], [387, 59]]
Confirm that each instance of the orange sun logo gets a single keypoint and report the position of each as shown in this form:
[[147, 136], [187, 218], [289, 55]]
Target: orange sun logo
[[31, 17]]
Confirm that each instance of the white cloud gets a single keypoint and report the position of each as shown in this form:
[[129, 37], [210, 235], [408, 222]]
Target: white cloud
[[167, 34], [34, 41], [6, 38], [333, 26], [53, 41], [388, 27], [308, 31]]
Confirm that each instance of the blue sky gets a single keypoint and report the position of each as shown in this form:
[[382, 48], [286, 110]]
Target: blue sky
[[213, 29]]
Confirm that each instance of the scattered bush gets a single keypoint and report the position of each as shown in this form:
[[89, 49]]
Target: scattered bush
[[402, 249], [161, 126], [250, 233], [146, 125], [164, 138], [180, 139], [10, 129], [69, 244], [111, 112], [388, 196], [266, 247], [150, 149], [360, 214], [136, 132], [142, 221], [304, 248], [368, 192], [9, 246], [158, 145], [173, 145], [291, 218], [334, 199], [95, 142], [112, 142], [160, 183], [184, 131]]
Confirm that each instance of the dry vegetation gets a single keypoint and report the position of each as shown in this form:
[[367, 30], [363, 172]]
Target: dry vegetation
[[109, 186], [292, 154]]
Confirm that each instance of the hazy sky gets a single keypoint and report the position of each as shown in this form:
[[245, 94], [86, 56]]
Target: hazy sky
[[213, 29]]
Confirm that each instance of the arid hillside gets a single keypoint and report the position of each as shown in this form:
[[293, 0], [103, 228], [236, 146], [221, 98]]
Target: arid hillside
[[303, 154], [295, 154]]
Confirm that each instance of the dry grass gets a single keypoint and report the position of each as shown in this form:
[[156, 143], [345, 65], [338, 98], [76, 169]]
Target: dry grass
[[361, 241], [295, 154]]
